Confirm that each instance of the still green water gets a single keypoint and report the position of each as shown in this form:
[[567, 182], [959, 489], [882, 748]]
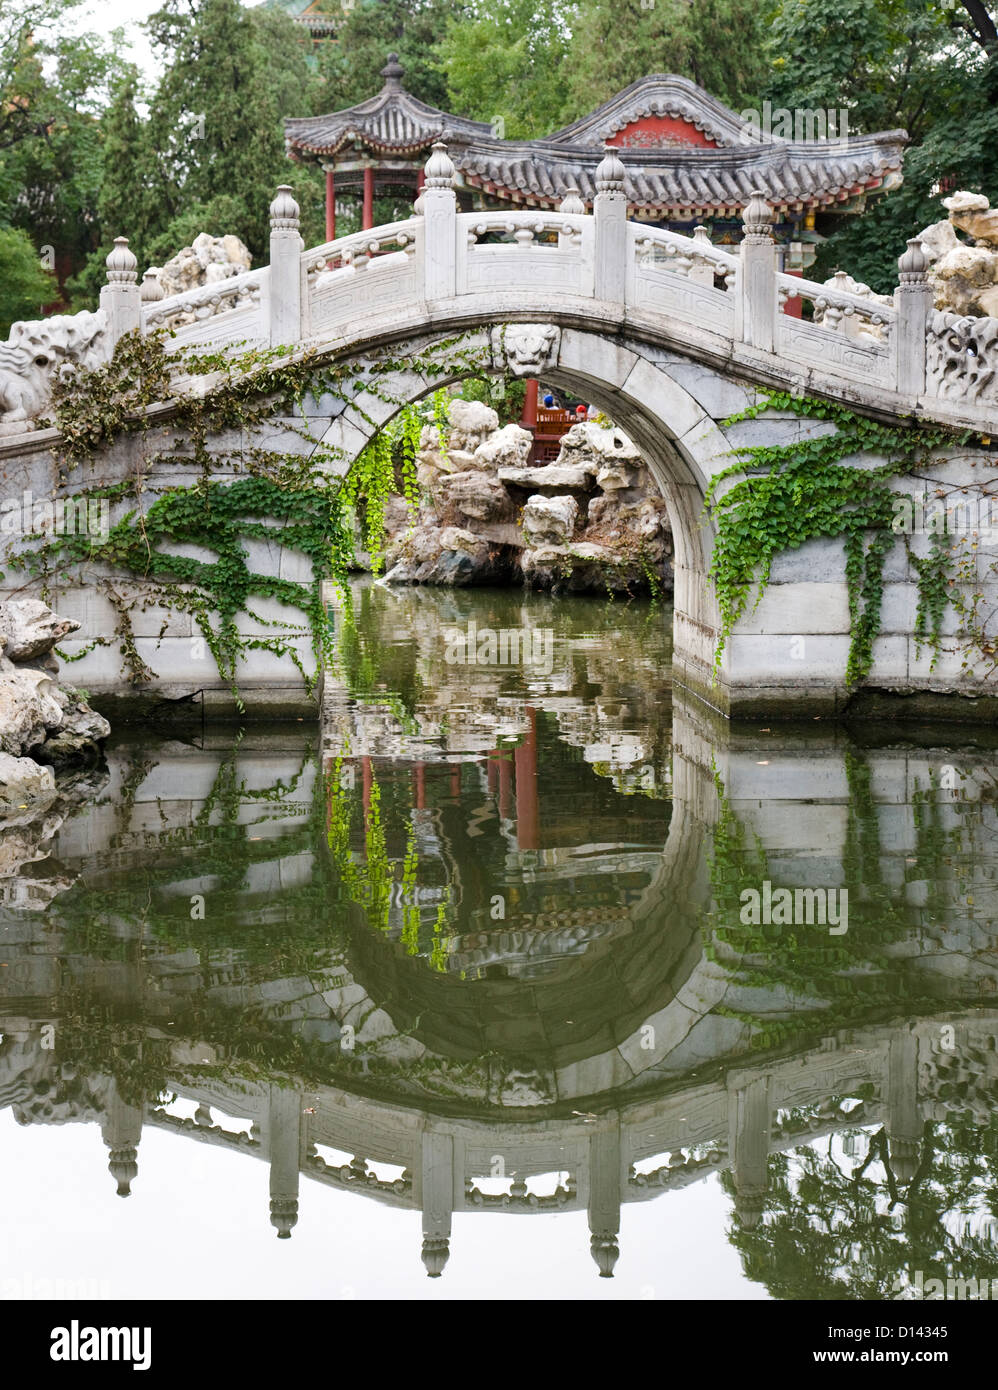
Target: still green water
[[525, 967]]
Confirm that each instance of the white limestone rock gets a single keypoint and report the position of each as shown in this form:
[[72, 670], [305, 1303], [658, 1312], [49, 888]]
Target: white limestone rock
[[617, 475], [583, 567], [459, 461], [80, 729], [961, 276], [973, 214], [207, 261], [470, 424], [449, 555], [474, 494], [507, 448], [469, 534], [551, 477], [964, 277], [646, 519], [592, 445], [550, 520], [961, 201], [938, 239], [22, 781], [30, 629], [430, 465], [28, 709], [456, 538], [38, 716]]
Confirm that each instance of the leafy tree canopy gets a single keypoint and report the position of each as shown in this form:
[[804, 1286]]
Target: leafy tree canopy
[[25, 286], [350, 68], [920, 65]]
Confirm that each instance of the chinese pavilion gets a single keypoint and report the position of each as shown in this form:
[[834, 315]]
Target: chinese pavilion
[[321, 19], [689, 159]]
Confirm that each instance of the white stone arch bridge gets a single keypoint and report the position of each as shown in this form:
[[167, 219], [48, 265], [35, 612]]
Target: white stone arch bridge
[[668, 334]]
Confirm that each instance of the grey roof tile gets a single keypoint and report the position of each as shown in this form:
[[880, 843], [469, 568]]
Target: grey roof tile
[[721, 175]]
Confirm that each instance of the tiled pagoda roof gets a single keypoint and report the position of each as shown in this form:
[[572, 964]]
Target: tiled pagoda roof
[[392, 123], [710, 163]]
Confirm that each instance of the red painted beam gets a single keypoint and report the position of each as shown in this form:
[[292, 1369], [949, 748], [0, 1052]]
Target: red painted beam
[[529, 417], [330, 207], [367, 220], [528, 829]]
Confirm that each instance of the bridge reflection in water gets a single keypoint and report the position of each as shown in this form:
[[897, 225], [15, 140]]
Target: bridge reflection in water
[[482, 951]]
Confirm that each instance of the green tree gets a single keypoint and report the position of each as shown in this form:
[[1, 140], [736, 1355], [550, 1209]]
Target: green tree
[[211, 152], [925, 67], [126, 206], [25, 286], [27, 102], [58, 175], [832, 1231], [53, 87], [215, 120], [716, 43], [508, 60], [350, 68]]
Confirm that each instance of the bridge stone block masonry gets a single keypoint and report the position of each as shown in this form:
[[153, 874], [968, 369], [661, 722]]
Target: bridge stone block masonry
[[668, 334]]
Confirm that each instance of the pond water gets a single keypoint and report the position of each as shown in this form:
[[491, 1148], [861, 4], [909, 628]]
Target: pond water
[[522, 972]]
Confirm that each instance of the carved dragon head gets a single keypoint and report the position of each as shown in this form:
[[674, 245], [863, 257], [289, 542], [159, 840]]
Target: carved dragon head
[[525, 349], [42, 351]]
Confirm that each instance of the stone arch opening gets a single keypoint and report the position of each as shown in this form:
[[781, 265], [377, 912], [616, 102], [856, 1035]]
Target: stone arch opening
[[679, 440]]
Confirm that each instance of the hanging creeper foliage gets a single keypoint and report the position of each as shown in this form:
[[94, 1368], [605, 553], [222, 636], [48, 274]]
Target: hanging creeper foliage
[[298, 499], [786, 495]]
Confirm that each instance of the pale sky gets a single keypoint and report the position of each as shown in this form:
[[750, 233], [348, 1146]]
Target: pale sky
[[197, 1226], [102, 16]]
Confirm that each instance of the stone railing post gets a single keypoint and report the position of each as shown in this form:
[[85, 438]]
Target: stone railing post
[[286, 247], [151, 291], [610, 212], [436, 1199], [122, 1132], [757, 296], [914, 299], [749, 1127], [702, 270], [604, 1195], [903, 1112], [285, 1151], [438, 204], [575, 207], [120, 298]]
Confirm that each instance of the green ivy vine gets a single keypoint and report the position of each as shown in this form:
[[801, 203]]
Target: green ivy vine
[[368, 881], [788, 494], [297, 497], [854, 976]]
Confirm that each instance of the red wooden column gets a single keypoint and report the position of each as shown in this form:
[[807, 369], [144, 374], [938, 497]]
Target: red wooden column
[[367, 219], [527, 810], [505, 784], [330, 206], [793, 307], [420, 180], [529, 417]]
